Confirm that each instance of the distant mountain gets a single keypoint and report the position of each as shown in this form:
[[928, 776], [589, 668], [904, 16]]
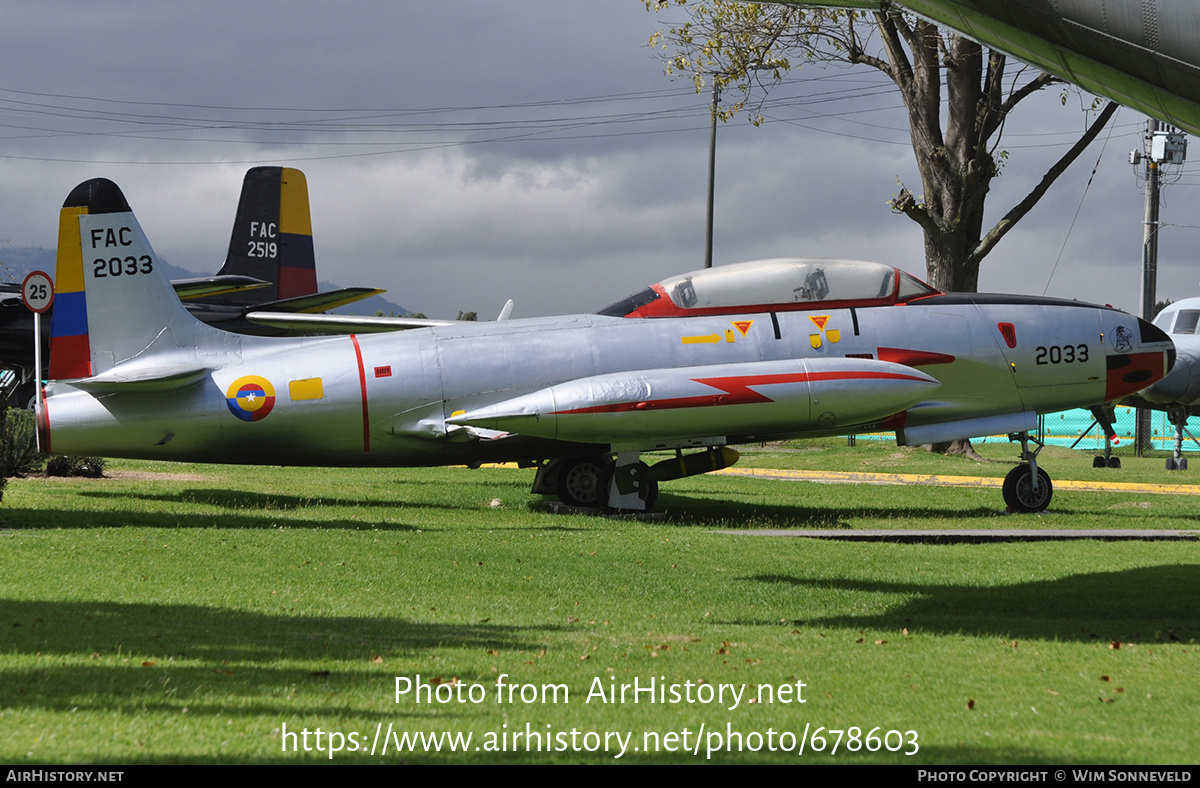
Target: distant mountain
[[16, 262]]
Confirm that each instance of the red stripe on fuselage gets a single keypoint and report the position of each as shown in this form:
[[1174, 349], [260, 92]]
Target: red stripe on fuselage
[[737, 391], [362, 384]]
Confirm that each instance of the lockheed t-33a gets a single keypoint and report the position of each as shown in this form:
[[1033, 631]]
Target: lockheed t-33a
[[697, 363]]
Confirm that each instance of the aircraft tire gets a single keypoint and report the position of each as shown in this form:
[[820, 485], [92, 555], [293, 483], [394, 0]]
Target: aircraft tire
[[25, 397], [581, 481], [1114, 462], [1018, 490], [1099, 462], [651, 494]]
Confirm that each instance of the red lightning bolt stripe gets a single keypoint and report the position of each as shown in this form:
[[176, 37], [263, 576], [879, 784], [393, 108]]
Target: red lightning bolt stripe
[[737, 391]]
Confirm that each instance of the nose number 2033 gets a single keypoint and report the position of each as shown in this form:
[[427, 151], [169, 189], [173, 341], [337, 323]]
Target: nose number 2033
[[1062, 354]]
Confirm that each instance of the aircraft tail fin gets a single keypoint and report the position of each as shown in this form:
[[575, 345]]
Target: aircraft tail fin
[[113, 302], [272, 236]]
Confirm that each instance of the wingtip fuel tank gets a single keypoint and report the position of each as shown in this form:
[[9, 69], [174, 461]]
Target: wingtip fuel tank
[[755, 398]]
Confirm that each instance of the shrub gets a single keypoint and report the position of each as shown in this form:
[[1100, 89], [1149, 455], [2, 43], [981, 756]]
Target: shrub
[[67, 465], [18, 443]]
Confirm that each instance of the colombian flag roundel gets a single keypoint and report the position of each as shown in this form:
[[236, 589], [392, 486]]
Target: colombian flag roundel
[[250, 398]]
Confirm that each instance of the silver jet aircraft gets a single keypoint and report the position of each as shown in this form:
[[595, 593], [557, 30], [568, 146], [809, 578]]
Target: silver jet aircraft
[[741, 353], [1179, 392]]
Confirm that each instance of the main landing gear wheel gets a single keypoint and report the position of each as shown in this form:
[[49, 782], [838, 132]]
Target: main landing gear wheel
[[1019, 494], [581, 481]]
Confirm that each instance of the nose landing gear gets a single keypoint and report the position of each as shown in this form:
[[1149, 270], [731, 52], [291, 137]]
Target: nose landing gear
[[1027, 487]]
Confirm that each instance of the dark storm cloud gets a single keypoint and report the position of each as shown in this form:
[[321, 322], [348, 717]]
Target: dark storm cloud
[[460, 153]]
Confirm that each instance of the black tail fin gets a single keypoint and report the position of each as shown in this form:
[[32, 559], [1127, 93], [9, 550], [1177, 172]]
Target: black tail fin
[[272, 237]]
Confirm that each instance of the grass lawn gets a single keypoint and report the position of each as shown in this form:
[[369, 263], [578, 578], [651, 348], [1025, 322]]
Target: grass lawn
[[205, 614]]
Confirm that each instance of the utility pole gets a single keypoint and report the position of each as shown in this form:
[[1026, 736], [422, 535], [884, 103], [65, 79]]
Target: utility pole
[[1142, 432], [712, 169], [1164, 145], [1150, 227]]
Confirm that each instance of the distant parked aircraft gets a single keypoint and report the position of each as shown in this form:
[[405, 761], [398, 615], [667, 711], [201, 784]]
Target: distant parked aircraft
[[269, 268]]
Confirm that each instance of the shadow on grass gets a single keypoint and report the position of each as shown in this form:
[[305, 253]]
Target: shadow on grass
[[1147, 604], [26, 520], [244, 500], [692, 513], [142, 656]]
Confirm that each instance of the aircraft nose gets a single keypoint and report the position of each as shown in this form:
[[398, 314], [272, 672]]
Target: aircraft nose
[[1153, 335], [1181, 385]]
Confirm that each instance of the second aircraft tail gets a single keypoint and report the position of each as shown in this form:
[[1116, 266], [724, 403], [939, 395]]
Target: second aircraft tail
[[272, 236]]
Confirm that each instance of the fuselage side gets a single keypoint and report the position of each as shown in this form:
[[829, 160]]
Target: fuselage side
[[383, 399]]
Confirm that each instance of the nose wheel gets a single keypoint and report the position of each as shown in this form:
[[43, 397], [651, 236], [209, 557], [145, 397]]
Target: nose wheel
[[1022, 494], [1027, 487]]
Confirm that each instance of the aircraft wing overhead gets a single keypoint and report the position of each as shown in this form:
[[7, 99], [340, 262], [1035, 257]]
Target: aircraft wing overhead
[[1144, 55], [319, 302], [341, 324]]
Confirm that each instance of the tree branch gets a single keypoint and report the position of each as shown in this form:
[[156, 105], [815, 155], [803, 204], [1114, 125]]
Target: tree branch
[[990, 112], [907, 204], [1032, 86], [901, 69], [856, 54], [1002, 227]]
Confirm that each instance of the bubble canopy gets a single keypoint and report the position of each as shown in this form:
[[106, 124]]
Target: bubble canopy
[[784, 284]]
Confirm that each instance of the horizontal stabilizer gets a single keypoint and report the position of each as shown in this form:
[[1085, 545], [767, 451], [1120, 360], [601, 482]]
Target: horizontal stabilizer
[[319, 302], [134, 378], [207, 286]]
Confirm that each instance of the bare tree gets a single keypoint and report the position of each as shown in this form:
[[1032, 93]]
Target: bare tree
[[956, 93]]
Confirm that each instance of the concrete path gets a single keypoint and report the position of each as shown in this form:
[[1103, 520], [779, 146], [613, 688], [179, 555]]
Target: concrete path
[[853, 477]]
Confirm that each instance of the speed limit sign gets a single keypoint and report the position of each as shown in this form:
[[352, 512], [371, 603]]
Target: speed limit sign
[[37, 291]]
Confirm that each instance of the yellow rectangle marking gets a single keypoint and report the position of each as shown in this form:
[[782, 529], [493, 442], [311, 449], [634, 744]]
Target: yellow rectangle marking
[[309, 388], [68, 278], [294, 215]]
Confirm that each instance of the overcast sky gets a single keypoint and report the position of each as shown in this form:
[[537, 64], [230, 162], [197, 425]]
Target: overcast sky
[[461, 153]]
